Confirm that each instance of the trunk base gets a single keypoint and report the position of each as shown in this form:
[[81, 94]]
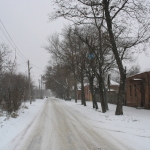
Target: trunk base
[[119, 110]]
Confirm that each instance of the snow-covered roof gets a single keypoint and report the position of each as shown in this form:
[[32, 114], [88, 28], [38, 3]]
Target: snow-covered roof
[[85, 84], [137, 79], [111, 90], [138, 74], [113, 82], [79, 86]]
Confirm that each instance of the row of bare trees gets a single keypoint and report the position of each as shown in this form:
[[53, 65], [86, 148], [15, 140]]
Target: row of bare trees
[[77, 56], [57, 79], [13, 85], [120, 29]]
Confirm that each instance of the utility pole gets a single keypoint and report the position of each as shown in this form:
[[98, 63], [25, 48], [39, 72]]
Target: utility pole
[[29, 81], [41, 87]]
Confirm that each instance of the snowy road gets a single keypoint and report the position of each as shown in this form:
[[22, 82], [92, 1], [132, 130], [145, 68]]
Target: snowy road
[[59, 127]]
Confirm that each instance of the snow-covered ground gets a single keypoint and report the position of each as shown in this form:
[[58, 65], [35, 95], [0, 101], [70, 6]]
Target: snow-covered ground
[[10, 128], [132, 129]]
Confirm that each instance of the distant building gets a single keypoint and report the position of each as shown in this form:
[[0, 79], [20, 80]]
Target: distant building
[[138, 90], [111, 93], [88, 96], [114, 87], [87, 92]]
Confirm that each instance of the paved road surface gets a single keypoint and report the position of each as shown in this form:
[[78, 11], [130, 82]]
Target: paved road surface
[[61, 128]]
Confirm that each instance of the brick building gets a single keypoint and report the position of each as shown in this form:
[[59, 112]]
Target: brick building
[[87, 92], [88, 96], [112, 93], [138, 90], [114, 87]]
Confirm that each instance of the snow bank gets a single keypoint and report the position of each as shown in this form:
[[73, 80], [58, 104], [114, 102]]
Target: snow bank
[[12, 127]]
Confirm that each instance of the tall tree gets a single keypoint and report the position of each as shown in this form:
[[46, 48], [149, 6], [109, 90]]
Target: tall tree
[[70, 51], [126, 20]]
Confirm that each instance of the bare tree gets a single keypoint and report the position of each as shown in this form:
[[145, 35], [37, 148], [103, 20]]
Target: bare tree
[[133, 70], [57, 79], [70, 51], [123, 20], [99, 59], [13, 86]]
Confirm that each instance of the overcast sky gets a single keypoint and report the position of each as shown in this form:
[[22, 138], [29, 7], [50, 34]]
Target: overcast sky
[[27, 23]]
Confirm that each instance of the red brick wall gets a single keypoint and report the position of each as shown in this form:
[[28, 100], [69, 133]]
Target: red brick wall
[[87, 92], [138, 90], [79, 94]]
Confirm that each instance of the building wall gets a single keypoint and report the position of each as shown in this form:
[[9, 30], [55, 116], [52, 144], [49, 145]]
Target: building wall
[[79, 95], [114, 87], [88, 96], [138, 90], [111, 98]]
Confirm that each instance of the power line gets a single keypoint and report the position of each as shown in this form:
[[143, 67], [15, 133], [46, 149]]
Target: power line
[[12, 40], [24, 63], [2, 39], [14, 45], [35, 72], [37, 67]]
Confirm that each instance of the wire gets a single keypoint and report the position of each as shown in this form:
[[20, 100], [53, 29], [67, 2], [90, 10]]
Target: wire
[[12, 40], [21, 64], [2, 39], [12, 43], [5, 42], [37, 67]]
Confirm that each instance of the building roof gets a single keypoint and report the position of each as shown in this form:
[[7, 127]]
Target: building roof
[[113, 82], [136, 79], [138, 74], [111, 90]]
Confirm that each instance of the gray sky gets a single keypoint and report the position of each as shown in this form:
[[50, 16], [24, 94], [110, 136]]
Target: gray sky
[[27, 23]]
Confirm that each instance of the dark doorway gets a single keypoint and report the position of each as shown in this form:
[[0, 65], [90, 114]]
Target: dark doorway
[[142, 94]]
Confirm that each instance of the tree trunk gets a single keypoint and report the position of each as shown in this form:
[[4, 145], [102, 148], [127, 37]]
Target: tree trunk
[[121, 97], [68, 92], [95, 105], [9, 102], [105, 96], [75, 90], [119, 109], [82, 92], [102, 93]]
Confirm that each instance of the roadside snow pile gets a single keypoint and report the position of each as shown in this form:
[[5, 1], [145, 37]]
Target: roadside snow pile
[[132, 128], [11, 127]]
